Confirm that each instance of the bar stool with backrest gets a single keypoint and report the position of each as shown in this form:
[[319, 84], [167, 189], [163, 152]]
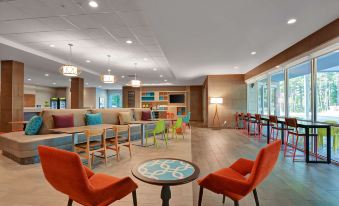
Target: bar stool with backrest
[[293, 129], [114, 143], [258, 126], [92, 145], [237, 121], [275, 128], [249, 123]]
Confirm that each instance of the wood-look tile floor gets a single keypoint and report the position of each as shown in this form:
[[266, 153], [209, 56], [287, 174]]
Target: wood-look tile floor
[[290, 183]]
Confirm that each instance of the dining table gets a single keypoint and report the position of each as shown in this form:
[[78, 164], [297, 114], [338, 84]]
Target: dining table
[[81, 129]]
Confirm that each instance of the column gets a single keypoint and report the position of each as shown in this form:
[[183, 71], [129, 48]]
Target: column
[[12, 94], [77, 93]]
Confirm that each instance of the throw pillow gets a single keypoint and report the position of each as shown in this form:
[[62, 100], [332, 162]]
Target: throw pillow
[[146, 115], [33, 126], [94, 119], [125, 117], [63, 121]]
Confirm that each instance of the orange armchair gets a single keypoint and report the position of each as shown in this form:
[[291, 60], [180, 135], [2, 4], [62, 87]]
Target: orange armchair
[[65, 172], [243, 176]]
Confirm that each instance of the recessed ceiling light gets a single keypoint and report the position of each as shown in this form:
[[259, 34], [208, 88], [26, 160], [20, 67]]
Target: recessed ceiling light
[[46, 75], [145, 59], [88, 61], [165, 80], [236, 67], [122, 76], [129, 42], [93, 4], [253, 52], [291, 21], [52, 45], [161, 76], [99, 86], [54, 83], [86, 83], [277, 66], [155, 69], [29, 79]]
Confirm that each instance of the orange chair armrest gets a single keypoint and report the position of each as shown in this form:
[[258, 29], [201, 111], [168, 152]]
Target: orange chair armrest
[[221, 184], [243, 166], [89, 172]]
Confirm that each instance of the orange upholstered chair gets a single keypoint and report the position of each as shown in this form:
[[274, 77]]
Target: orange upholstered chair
[[243, 176], [65, 172]]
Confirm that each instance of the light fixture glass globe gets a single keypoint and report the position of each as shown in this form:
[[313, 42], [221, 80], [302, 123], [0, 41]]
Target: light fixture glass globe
[[69, 70], [135, 83]]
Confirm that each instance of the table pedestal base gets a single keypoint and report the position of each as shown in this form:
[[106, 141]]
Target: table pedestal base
[[165, 195]]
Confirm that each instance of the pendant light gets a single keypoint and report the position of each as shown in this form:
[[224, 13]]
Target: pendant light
[[70, 70], [108, 78], [135, 82]]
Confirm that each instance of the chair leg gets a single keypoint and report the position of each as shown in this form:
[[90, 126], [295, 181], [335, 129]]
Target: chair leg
[[70, 202], [236, 203], [223, 199], [201, 192], [256, 197], [295, 148], [134, 194]]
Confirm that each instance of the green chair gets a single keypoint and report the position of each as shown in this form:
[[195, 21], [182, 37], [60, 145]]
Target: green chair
[[177, 125], [334, 132], [158, 129]]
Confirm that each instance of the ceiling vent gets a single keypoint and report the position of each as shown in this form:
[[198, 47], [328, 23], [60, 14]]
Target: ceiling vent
[[131, 75]]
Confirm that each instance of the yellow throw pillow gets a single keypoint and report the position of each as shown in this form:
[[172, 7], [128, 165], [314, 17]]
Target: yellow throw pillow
[[125, 117]]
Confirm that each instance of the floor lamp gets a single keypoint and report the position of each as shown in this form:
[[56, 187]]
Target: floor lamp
[[216, 101]]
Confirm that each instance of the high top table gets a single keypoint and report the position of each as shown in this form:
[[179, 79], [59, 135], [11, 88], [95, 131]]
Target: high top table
[[166, 172], [143, 129], [307, 126]]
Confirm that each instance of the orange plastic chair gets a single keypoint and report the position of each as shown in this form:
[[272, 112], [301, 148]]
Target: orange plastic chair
[[65, 172], [233, 181]]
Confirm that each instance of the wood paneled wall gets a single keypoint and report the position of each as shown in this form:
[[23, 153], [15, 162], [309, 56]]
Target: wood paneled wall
[[232, 88], [12, 94], [77, 93], [316, 39], [29, 100], [196, 103]]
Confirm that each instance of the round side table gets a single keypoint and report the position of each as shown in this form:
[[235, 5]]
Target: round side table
[[166, 172]]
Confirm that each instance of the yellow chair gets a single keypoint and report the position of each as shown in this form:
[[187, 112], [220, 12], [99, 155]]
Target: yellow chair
[[334, 132]]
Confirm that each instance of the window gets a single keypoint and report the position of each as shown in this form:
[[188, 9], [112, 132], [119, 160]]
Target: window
[[299, 91], [262, 97], [114, 98], [277, 95], [252, 98], [327, 87]]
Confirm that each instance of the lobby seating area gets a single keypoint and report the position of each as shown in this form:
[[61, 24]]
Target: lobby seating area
[[148, 102]]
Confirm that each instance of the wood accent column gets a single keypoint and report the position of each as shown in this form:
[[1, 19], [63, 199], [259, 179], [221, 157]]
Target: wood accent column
[[12, 94], [77, 93]]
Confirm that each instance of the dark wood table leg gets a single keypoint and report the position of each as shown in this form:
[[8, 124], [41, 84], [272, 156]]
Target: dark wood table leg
[[307, 152], [328, 143], [282, 133], [165, 195], [268, 132]]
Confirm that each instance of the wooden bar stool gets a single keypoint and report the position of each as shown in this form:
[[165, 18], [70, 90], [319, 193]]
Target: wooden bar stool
[[92, 146], [292, 129], [114, 143]]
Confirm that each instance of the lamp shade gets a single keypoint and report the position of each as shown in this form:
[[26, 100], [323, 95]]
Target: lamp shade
[[69, 70], [108, 78], [216, 100], [135, 83]]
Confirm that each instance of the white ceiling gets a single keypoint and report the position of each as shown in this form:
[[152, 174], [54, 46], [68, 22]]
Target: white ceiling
[[183, 39]]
